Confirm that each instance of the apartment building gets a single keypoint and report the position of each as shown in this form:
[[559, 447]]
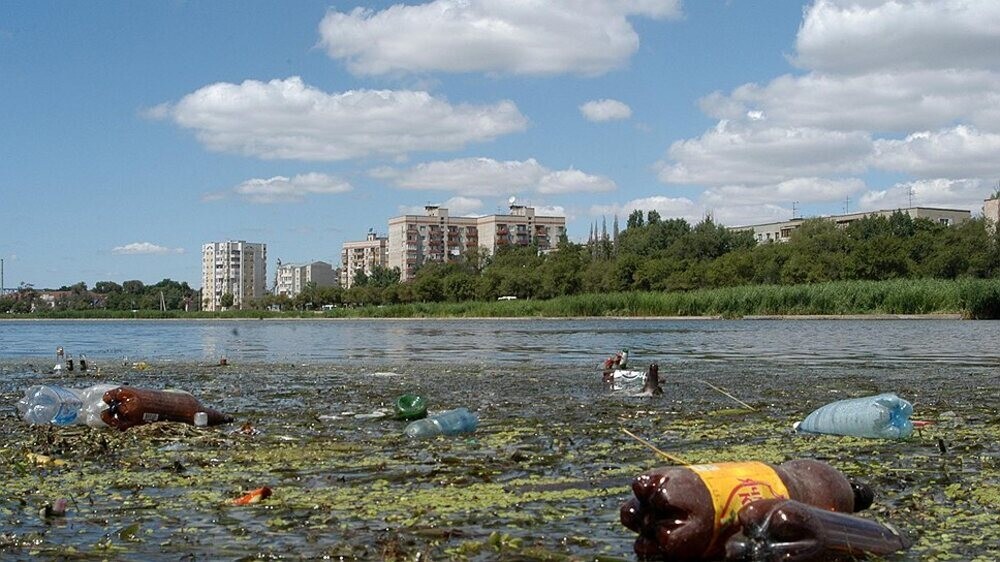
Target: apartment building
[[291, 279], [782, 231], [363, 255], [438, 237], [521, 227], [235, 267]]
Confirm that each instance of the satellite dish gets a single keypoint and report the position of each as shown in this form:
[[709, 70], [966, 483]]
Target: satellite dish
[[512, 199]]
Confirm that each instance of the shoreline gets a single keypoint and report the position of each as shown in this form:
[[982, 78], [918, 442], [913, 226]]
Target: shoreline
[[750, 317]]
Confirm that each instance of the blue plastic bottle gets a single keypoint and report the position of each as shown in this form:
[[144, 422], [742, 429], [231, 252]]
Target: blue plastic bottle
[[452, 422], [883, 416]]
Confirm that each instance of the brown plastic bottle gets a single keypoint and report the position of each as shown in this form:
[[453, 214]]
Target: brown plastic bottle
[[129, 406], [791, 531], [688, 512]]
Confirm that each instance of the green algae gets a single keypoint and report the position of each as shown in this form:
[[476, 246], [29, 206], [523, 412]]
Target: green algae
[[539, 479]]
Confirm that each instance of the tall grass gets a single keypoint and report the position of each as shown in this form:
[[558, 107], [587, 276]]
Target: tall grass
[[972, 298]]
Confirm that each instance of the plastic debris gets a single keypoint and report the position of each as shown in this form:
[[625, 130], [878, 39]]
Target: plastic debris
[[790, 531], [882, 416], [411, 407], [452, 422], [253, 496]]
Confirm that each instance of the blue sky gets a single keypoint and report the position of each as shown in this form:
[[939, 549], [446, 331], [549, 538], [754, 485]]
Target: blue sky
[[132, 133]]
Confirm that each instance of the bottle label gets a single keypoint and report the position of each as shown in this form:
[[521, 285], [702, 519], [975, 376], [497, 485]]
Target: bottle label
[[733, 485]]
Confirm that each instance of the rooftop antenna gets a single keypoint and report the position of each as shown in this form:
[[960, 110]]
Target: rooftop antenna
[[909, 193], [847, 204], [795, 205]]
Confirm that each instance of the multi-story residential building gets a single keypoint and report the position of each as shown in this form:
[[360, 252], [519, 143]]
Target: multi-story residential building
[[520, 228], [782, 231], [437, 237], [292, 278], [991, 210], [364, 255], [234, 267]]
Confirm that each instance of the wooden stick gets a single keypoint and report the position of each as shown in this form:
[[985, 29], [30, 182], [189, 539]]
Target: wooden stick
[[663, 454], [729, 395]]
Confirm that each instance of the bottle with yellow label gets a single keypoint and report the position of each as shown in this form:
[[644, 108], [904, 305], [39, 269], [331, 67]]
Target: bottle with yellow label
[[688, 512]]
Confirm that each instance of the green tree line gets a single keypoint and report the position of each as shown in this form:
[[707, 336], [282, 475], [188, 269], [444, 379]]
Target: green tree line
[[652, 254]]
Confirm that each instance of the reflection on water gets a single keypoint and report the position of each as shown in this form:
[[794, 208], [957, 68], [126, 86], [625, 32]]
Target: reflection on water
[[512, 341]]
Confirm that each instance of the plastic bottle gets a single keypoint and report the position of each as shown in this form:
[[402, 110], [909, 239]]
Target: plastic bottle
[[45, 404], [688, 512], [94, 405], [60, 358], [885, 415], [623, 362], [410, 407], [791, 531], [129, 406], [452, 422]]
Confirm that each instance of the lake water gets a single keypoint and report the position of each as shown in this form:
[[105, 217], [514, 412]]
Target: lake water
[[548, 466], [567, 342]]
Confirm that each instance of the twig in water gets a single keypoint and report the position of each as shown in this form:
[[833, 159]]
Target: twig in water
[[664, 454], [729, 395]]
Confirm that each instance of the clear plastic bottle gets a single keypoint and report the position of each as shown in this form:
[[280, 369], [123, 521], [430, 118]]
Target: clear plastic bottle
[[94, 405], [452, 422], [623, 362], [881, 416], [45, 404]]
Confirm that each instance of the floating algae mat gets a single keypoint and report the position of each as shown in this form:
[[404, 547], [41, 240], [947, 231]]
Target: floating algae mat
[[541, 479]]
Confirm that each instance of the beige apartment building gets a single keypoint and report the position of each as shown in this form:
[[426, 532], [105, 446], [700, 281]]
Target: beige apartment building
[[363, 255], [235, 267], [291, 279], [438, 237], [782, 231]]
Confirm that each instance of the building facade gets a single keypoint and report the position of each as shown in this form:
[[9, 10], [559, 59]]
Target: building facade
[[291, 279], [364, 255], [991, 211], [235, 267], [437, 237], [782, 231]]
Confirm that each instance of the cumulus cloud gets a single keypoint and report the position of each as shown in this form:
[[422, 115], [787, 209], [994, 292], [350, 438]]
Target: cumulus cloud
[[668, 207], [734, 153], [605, 110], [848, 36], [905, 86], [497, 36], [457, 207], [286, 119], [961, 193], [960, 151], [486, 176], [281, 189], [802, 190], [137, 248]]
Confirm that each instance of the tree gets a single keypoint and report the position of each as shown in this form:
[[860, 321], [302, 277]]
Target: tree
[[106, 287], [226, 301], [635, 220]]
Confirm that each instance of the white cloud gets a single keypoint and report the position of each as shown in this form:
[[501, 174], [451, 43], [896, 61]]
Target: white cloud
[[880, 102], [286, 119], [281, 189], [668, 207], [734, 153], [457, 207], [852, 36], [906, 86], [503, 36], [605, 110], [957, 152], [489, 177], [801, 190], [137, 248], [950, 193]]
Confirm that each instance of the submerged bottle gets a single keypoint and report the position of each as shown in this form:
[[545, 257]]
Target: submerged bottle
[[49, 404], [129, 406], [452, 422], [884, 415], [688, 512], [791, 531], [623, 358]]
